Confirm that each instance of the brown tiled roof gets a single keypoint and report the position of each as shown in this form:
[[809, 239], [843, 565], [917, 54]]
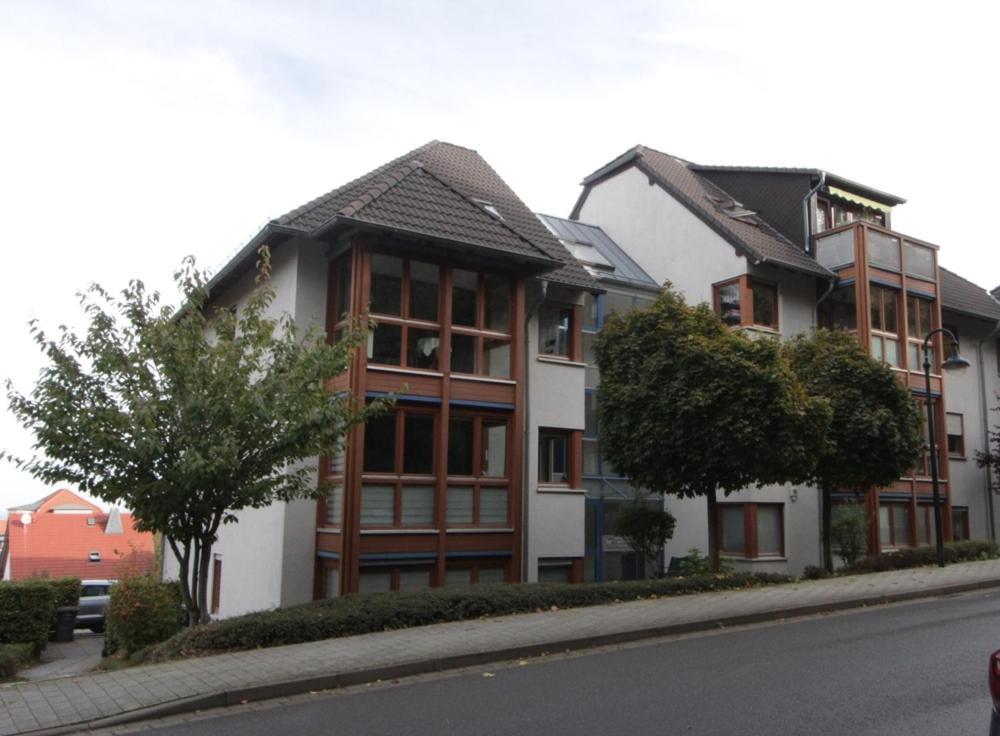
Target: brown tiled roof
[[439, 190], [747, 232], [961, 295]]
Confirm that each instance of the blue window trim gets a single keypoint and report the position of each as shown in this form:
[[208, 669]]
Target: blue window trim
[[328, 555]]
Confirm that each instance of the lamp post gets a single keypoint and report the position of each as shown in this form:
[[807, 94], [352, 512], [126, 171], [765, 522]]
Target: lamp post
[[952, 362]]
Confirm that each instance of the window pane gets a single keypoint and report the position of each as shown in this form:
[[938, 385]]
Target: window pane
[[877, 348], [498, 303], [418, 505], [460, 430], [387, 284], [960, 522], [495, 449], [464, 286], [552, 459], [343, 287], [728, 306], [422, 348], [590, 311], [378, 505], [489, 575], [919, 261], [616, 303], [463, 353], [836, 250], [733, 540], [765, 305], [916, 363], [889, 310], [884, 531], [769, 530], [492, 505], [424, 279], [414, 578], [554, 573], [458, 576], [418, 444], [334, 501], [380, 444], [923, 533], [591, 458], [590, 414], [384, 343], [901, 525], [554, 325], [883, 251], [375, 582], [459, 505], [497, 356], [892, 351], [332, 583]]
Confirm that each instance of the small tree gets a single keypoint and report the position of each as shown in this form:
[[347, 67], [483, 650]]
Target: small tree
[[990, 459], [873, 437], [645, 530], [690, 407], [187, 417], [849, 532]]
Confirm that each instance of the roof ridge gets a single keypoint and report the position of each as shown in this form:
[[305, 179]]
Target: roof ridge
[[959, 276]]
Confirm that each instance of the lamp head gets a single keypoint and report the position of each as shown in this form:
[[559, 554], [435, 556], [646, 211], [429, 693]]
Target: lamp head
[[954, 361]]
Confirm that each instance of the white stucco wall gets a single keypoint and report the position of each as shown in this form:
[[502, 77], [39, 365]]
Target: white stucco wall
[[555, 519]]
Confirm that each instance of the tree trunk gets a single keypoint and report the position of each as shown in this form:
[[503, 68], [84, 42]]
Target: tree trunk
[[713, 532], [827, 510], [184, 577], [205, 561]]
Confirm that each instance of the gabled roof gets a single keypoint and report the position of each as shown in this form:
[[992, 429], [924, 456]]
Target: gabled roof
[[614, 264], [445, 192], [62, 500], [831, 179], [742, 228], [961, 295]]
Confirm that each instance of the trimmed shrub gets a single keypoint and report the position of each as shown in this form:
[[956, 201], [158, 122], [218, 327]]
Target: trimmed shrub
[[848, 532], [812, 572], [26, 611], [14, 657], [926, 554], [67, 591], [362, 614], [142, 611]]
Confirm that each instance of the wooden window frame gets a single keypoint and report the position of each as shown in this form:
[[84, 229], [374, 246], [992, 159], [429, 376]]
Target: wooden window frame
[[960, 514], [751, 549], [477, 481], [959, 454], [574, 336], [879, 295], [574, 457], [394, 571], [746, 285], [892, 543], [473, 566]]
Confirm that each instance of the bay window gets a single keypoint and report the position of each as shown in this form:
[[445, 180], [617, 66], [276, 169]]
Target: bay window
[[747, 302]]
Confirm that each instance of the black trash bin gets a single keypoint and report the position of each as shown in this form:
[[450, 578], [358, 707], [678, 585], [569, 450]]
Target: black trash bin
[[65, 623]]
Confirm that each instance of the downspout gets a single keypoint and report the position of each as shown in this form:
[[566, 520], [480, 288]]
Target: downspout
[[986, 427], [807, 214], [525, 474]]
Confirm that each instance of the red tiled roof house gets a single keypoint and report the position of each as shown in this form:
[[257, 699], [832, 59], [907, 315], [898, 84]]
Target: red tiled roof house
[[64, 535]]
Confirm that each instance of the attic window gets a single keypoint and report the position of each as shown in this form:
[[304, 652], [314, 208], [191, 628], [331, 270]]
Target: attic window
[[736, 210], [91, 521], [95, 556], [489, 208], [588, 254]]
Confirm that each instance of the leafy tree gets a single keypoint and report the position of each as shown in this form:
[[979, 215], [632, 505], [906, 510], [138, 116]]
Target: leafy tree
[[991, 457], [849, 532], [690, 407], [874, 435], [189, 416], [645, 530]]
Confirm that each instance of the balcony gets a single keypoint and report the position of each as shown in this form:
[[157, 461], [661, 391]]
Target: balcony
[[886, 253]]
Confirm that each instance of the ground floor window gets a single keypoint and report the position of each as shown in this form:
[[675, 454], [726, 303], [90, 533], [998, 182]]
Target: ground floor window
[[555, 570], [960, 523], [751, 530], [475, 572], [926, 531], [894, 525], [402, 577], [331, 578]]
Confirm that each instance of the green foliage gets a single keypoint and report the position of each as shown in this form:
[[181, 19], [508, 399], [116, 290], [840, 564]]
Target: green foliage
[[991, 457], [691, 408], [926, 554], [645, 530], [26, 612], [361, 614], [67, 591], [142, 611], [811, 572], [873, 435], [14, 657], [187, 417], [695, 564], [849, 532]]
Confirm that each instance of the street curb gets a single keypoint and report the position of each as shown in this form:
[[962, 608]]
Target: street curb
[[239, 696]]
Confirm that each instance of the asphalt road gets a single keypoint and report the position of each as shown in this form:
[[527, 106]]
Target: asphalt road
[[917, 668]]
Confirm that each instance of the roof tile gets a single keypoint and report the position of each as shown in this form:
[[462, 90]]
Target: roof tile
[[961, 295]]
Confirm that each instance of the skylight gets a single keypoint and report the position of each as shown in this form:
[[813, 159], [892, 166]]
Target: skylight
[[489, 208]]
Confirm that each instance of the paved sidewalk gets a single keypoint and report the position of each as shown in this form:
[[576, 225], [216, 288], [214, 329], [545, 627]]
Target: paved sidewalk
[[76, 703], [65, 659]]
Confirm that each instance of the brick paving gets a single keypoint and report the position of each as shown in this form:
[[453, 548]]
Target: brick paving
[[72, 703]]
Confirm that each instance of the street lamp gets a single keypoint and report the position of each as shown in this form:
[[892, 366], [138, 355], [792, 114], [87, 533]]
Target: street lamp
[[954, 361]]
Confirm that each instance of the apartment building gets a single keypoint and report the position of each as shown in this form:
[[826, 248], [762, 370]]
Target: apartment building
[[489, 467], [777, 252]]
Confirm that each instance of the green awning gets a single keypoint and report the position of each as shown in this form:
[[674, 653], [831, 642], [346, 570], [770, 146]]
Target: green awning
[[857, 199]]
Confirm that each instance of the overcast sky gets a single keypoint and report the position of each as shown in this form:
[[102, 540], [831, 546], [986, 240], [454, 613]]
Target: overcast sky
[[135, 133]]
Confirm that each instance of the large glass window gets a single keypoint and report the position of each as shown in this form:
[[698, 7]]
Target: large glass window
[[418, 444], [494, 449], [919, 323], [460, 445], [555, 325], [497, 298], [765, 304], [477, 459], [464, 291], [424, 279], [919, 261], [883, 250], [751, 530], [763, 297], [380, 444], [894, 525], [885, 325], [727, 303], [553, 456], [387, 284], [839, 311]]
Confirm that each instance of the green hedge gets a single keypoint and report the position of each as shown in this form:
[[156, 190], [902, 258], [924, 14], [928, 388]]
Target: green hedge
[[67, 591], [361, 614], [142, 611], [14, 657], [26, 612], [926, 554]]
